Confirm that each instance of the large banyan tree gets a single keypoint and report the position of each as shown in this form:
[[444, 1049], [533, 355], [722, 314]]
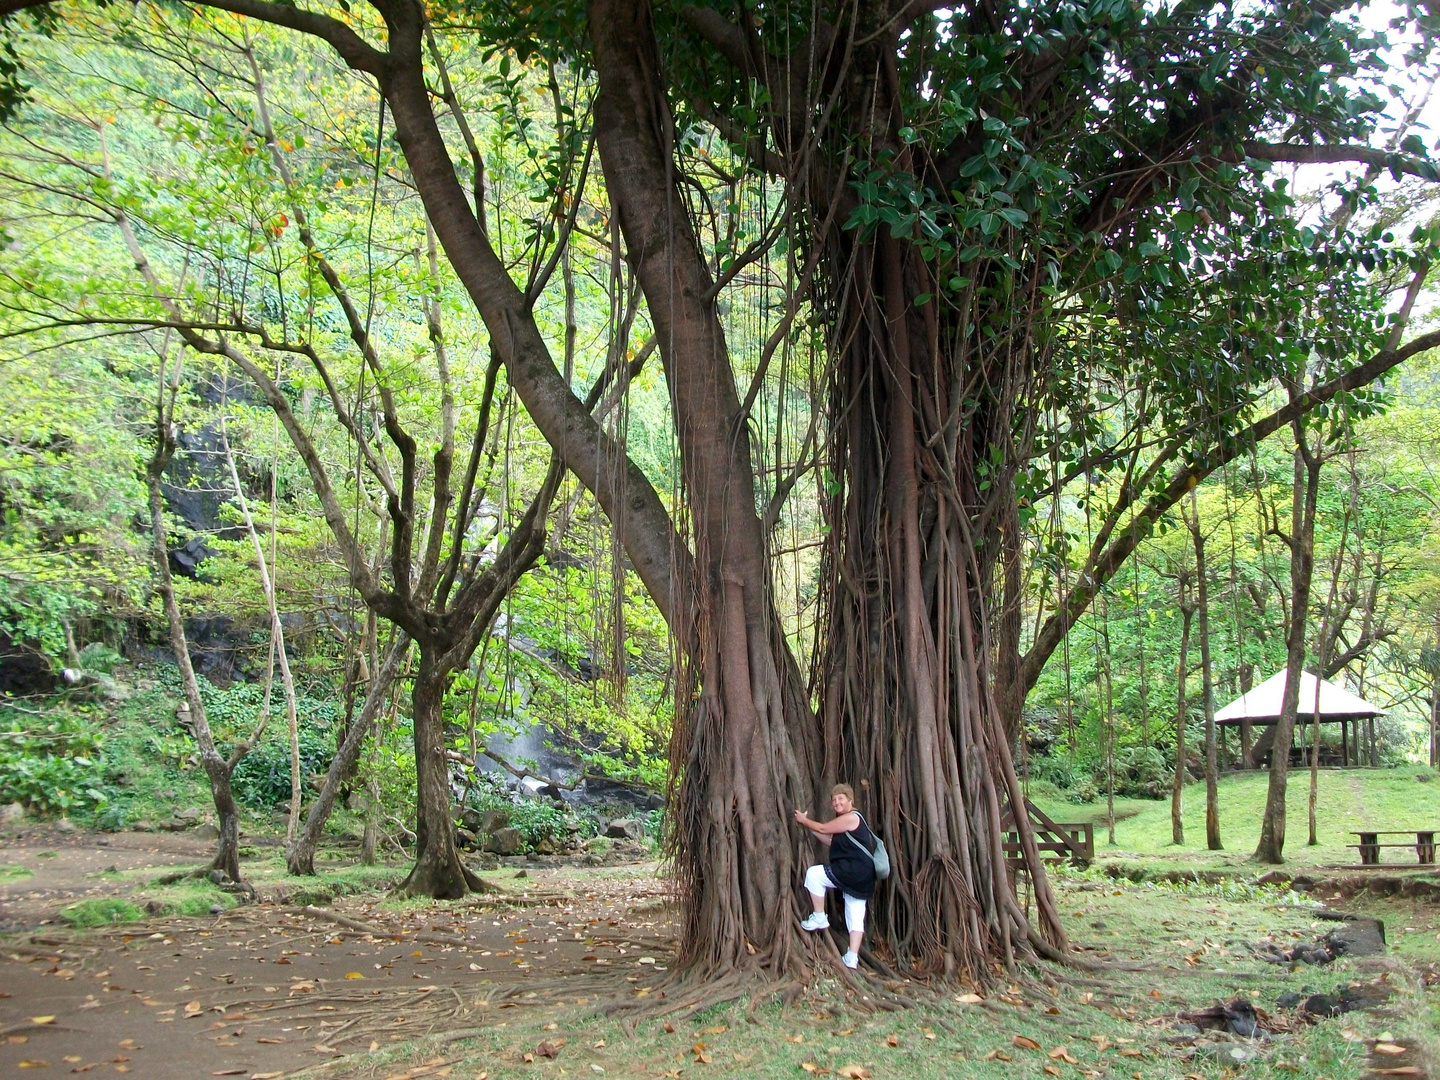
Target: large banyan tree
[[1040, 243]]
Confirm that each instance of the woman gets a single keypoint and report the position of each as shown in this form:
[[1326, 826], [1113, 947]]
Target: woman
[[851, 870]]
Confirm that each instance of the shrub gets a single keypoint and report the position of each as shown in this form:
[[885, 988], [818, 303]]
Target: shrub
[[262, 777]]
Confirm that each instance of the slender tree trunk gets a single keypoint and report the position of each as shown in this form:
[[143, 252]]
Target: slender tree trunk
[[1207, 680], [1435, 702], [1182, 715], [300, 856], [1301, 542], [438, 871], [227, 852], [277, 639]]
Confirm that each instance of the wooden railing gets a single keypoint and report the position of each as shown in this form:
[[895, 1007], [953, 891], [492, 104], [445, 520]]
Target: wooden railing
[[1058, 841]]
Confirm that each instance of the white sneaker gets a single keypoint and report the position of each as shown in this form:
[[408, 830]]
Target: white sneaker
[[818, 920], [851, 960]]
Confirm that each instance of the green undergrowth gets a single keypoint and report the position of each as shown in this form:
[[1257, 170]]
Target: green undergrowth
[[15, 872]]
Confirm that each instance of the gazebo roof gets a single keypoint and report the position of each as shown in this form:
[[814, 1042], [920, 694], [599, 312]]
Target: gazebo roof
[[1262, 704]]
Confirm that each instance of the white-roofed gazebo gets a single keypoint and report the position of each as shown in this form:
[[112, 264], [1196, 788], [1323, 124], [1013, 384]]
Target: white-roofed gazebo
[[1261, 708]]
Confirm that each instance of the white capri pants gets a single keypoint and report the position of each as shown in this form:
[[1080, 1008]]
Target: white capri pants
[[817, 881]]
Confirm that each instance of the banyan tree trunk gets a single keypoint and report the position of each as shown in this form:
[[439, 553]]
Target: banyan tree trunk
[[747, 746], [910, 697]]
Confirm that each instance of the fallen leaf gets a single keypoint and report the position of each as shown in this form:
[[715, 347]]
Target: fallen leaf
[[528, 1058], [36, 1064], [1399, 1070], [853, 1072], [593, 1068], [668, 1028], [1062, 1053], [1052, 1070], [270, 1041], [353, 975], [969, 999], [550, 1048], [1388, 1048], [795, 1038], [1024, 1043], [229, 1072], [71, 1059], [703, 1059], [892, 1040], [718, 1029], [42, 1019]]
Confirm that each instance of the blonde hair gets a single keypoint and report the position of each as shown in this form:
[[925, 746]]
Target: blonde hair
[[843, 789]]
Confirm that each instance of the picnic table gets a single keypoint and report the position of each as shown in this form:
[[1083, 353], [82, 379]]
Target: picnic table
[[1370, 844]]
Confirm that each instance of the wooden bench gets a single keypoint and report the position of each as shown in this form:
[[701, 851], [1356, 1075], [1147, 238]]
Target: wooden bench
[[1370, 844]]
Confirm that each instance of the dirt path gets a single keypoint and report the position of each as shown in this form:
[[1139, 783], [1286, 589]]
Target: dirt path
[[266, 989], [43, 869]]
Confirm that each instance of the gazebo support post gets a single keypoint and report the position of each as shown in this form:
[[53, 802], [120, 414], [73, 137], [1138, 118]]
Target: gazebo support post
[[1344, 745]]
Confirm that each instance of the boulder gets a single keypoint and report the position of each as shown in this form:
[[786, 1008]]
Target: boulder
[[470, 819], [1357, 937], [626, 829], [189, 814], [546, 846], [492, 821], [466, 839], [206, 831], [11, 813], [506, 841]]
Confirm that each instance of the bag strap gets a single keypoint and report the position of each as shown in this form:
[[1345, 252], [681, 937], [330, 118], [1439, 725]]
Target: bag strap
[[862, 847]]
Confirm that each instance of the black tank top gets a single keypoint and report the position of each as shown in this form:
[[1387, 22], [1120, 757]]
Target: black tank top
[[850, 862]]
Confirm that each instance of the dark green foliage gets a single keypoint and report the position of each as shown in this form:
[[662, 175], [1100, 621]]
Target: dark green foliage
[[52, 763], [262, 778]]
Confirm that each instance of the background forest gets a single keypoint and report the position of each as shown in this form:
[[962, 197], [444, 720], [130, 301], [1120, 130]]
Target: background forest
[[228, 328]]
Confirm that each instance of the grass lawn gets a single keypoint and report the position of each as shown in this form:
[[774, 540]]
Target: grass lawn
[[1349, 799]]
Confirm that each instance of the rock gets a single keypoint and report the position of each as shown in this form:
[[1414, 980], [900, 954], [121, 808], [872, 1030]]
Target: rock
[[65, 825], [522, 873], [1231, 1054], [546, 846], [356, 802], [470, 819], [218, 877], [189, 814], [505, 841], [11, 813], [102, 843], [1273, 877], [492, 821], [1290, 999], [466, 839], [154, 907], [206, 831], [216, 909], [1322, 1005], [1358, 937], [626, 829], [143, 826], [1424, 777]]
